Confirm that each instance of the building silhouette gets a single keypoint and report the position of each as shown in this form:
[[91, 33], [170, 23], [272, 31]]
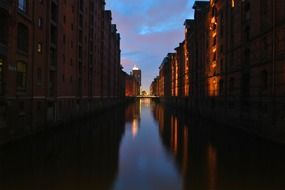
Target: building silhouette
[[58, 59]]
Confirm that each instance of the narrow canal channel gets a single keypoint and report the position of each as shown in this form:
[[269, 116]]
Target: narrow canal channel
[[143, 146]]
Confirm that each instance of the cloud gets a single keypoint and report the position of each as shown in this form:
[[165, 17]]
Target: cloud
[[149, 30]]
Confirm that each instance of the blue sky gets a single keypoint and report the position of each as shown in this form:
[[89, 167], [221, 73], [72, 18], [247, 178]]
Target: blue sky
[[149, 30]]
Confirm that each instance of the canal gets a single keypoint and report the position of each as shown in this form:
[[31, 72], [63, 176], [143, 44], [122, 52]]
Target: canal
[[143, 146]]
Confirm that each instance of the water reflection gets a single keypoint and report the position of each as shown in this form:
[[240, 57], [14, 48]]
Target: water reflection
[[143, 146], [144, 162], [211, 157], [81, 156], [133, 118]]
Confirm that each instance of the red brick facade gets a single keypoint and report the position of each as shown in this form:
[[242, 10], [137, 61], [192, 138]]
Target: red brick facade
[[235, 54], [57, 59], [132, 87]]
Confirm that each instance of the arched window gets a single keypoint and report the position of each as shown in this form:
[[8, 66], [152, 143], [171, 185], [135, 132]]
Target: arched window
[[21, 75], [23, 38]]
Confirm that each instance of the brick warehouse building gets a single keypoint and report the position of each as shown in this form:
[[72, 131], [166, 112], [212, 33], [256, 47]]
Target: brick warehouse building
[[132, 86], [236, 52], [57, 59]]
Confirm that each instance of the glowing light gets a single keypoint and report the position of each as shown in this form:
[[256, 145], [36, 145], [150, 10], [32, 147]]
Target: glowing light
[[213, 20], [135, 128], [233, 3], [212, 166], [135, 68]]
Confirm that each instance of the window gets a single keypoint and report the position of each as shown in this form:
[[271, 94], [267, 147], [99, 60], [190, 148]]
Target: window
[[53, 56], [3, 29], [231, 86], [263, 80], [63, 39], [21, 69], [40, 22], [247, 56], [39, 75], [22, 5], [221, 87], [54, 11], [247, 6], [221, 24], [222, 65], [63, 59], [81, 5], [23, 38], [80, 36], [81, 20], [53, 35], [1, 76], [39, 48], [214, 41]]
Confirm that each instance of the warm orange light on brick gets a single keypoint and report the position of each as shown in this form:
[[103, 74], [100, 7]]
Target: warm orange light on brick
[[233, 3]]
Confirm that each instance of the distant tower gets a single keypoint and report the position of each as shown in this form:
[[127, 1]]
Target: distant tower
[[137, 74]]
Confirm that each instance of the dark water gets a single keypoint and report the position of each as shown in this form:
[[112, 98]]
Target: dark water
[[142, 147]]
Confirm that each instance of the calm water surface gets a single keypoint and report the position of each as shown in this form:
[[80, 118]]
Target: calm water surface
[[143, 146]]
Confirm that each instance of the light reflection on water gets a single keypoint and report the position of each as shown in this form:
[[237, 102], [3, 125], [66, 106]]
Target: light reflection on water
[[142, 146], [144, 162]]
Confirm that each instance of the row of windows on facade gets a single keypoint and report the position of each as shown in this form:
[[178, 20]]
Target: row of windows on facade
[[21, 75], [245, 84], [23, 6], [23, 39]]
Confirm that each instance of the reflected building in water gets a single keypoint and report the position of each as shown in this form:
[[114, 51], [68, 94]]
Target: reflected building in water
[[81, 156], [210, 157], [132, 115]]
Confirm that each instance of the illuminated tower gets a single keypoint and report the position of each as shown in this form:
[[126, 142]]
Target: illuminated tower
[[137, 74]]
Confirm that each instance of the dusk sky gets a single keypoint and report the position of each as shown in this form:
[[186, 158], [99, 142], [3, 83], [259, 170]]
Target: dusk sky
[[149, 30]]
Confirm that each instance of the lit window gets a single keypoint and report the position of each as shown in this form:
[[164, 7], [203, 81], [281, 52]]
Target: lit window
[[22, 5], [233, 3], [21, 74], [39, 48]]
